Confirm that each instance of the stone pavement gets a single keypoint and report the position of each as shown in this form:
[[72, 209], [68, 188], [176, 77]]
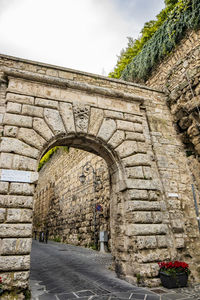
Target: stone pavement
[[66, 272]]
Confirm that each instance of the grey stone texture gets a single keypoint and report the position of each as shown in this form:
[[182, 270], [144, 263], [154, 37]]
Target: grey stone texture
[[131, 128]]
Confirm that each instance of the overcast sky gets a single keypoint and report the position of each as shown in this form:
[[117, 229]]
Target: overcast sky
[[85, 35]]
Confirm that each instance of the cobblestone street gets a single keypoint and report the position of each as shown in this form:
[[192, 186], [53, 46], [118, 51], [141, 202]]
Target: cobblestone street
[[64, 272]]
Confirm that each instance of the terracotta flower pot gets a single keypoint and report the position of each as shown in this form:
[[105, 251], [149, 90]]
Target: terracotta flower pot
[[175, 280]]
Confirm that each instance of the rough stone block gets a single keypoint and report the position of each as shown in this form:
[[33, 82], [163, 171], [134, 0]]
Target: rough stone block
[[138, 128], [13, 107], [113, 114], [127, 148], [66, 75], [17, 120], [42, 128], [52, 72], [30, 137], [6, 160], [13, 280], [135, 136], [2, 215], [15, 246], [133, 118], [96, 118], [144, 205], [10, 131], [24, 163], [142, 147], [53, 119], [1, 118], [66, 112], [19, 215], [141, 217], [20, 98], [107, 129], [134, 172], [141, 184], [16, 201], [138, 194], [15, 230], [146, 229], [158, 216], [3, 187], [146, 242], [22, 188], [174, 204], [125, 125], [116, 139], [179, 243], [11, 263], [163, 241], [137, 160], [46, 103], [153, 195], [154, 255], [33, 111], [177, 226], [18, 147]]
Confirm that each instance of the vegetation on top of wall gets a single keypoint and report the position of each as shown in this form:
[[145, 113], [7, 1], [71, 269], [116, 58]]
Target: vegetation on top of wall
[[158, 39], [49, 154], [134, 47]]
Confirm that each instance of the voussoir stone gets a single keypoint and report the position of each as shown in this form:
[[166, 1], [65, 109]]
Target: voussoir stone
[[53, 119], [96, 118], [30, 137], [42, 128], [66, 112], [116, 139], [107, 129], [18, 147]]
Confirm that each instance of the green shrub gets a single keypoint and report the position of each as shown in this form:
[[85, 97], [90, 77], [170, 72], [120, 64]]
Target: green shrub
[[49, 154], [184, 16], [158, 39]]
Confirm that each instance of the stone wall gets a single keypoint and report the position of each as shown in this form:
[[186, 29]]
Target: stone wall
[[179, 77], [64, 206], [152, 215]]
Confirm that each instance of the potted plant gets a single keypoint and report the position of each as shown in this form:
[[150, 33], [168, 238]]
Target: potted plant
[[1, 288], [173, 274]]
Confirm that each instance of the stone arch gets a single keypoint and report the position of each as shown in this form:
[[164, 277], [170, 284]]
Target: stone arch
[[130, 127], [115, 169]]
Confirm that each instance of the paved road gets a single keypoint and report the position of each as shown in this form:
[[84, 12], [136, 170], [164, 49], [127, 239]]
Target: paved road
[[64, 272]]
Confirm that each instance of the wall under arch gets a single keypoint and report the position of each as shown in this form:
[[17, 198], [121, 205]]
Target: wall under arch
[[65, 206]]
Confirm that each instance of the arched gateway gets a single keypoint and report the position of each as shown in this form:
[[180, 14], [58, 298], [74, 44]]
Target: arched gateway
[[152, 211]]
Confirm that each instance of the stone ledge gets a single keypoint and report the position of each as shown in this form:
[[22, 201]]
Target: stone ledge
[[96, 76], [66, 83]]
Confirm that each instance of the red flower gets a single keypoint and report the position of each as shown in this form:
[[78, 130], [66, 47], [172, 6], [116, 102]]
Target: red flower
[[174, 267]]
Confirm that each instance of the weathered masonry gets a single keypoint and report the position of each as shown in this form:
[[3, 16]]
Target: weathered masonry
[[152, 211], [65, 206]]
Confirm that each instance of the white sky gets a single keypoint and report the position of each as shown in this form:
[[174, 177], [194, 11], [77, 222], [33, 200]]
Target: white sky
[[85, 35]]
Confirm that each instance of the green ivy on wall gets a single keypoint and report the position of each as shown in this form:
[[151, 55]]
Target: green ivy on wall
[[158, 39], [49, 154]]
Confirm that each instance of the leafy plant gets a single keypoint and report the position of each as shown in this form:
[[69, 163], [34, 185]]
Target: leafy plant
[[158, 39], [134, 47], [1, 286], [174, 267], [57, 239], [49, 154]]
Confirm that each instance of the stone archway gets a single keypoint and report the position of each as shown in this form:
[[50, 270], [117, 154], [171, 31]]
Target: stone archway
[[126, 124]]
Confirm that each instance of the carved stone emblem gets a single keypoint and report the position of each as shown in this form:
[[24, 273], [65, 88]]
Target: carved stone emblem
[[81, 116]]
